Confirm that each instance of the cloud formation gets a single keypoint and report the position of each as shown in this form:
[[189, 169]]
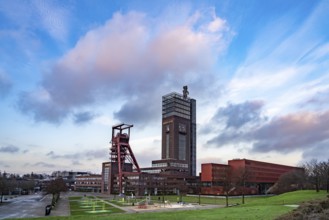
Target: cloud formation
[[9, 149], [303, 131], [234, 120], [48, 16], [43, 164], [139, 111], [89, 154], [128, 57], [288, 133], [83, 117], [321, 98], [237, 115]]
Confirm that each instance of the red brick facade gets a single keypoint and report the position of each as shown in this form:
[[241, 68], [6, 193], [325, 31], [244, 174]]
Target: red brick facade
[[260, 176]]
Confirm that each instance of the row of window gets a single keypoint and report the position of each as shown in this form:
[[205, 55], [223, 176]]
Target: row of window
[[159, 164], [176, 114], [176, 105], [87, 183]]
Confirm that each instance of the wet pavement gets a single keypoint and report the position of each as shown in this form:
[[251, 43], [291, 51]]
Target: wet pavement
[[29, 206]]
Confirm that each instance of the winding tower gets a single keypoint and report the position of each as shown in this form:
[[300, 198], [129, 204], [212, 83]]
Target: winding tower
[[121, 153]]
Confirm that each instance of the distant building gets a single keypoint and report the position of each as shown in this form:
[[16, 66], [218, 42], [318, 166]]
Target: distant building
[[179, 131], [260, 175], [88, 183], [68, 176]]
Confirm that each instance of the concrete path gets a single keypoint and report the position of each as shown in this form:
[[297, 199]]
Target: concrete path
[[29, 206], [34, 206]]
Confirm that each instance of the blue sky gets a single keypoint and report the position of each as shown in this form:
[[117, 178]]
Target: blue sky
[[69, 70]]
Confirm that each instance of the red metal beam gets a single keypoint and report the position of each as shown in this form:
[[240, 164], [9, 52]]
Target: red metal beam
[[121, 150]]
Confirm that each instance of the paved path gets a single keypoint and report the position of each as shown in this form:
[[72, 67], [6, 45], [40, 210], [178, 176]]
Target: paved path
[[29, 206], [34, 206]]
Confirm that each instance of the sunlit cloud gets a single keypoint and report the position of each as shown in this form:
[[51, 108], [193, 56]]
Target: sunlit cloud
[[125, 49]]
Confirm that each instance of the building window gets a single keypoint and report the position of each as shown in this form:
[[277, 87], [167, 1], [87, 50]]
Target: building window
[[182, 128], [182, 147], [167, 145]]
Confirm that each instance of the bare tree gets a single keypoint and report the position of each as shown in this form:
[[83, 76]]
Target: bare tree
[[313, 172], [318, 174], [55, 187], [241, 176], [323, 169], [228, 184], [326, 173], [3, 187], [290, 181]]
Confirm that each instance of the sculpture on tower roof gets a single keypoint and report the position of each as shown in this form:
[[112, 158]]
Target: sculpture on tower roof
[[185, 92]]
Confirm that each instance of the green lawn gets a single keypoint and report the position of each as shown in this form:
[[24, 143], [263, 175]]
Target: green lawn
[[91, 206], [266, 208]]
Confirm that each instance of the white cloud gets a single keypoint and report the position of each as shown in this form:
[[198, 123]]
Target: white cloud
[[54, 18], [126, 49], [51, 17], [216, 25]]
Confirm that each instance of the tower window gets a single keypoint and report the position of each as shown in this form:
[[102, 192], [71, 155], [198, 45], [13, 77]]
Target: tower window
[[182, 128]]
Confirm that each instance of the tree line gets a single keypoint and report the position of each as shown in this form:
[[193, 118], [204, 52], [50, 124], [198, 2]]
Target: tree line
[[11, 184]]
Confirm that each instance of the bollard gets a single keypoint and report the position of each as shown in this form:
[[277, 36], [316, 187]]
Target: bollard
[[48, 210]]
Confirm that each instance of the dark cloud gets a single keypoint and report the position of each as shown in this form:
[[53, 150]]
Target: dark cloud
[[43, 164], [319, 151], [301, 131], [235, 120], [229, 137], [122, 61], [319, 99], [237, 115], [139, 111], [5, 85], [83, 117], [9, 149], [89, 154], [40, 107], [298, 131]]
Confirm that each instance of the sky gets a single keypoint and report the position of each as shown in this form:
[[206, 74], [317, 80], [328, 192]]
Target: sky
[[70, 70]]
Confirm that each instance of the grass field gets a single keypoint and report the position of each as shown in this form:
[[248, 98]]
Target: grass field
[[91, 206], [266, 208]]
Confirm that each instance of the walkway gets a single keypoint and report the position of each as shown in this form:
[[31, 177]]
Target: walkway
[[29, 206]]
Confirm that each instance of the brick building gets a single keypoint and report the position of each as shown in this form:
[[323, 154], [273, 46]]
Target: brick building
[[259, 176], [88, 183]]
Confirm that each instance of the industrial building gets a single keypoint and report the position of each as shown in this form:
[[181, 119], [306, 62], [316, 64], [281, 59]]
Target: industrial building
[[88, 183], [258, 176], [175, 172], [179, 131]]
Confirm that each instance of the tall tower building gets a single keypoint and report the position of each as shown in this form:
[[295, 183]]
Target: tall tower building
[[179, 129]]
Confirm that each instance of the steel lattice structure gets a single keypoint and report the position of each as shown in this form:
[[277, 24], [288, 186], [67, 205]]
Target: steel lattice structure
[[121, 152]]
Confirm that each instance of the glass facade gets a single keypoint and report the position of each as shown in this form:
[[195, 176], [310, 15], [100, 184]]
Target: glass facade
[[174, 104]]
